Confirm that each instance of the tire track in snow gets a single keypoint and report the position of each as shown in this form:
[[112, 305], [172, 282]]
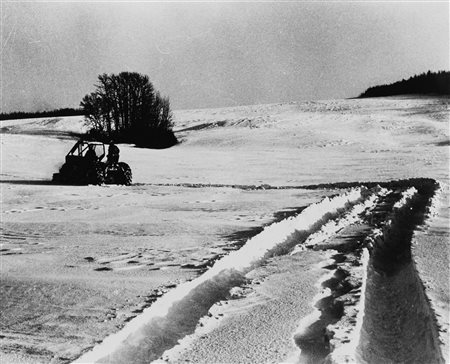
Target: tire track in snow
[[399, 324], [389, 318], [348, 216], [344, 276], [176, 314]]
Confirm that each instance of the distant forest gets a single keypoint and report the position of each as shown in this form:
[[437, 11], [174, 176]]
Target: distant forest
[[41, 114], [437, 83]]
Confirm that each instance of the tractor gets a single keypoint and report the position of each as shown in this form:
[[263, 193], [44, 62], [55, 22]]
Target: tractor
[[84, 166]]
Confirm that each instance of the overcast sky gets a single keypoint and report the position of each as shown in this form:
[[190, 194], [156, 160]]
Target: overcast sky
[[211, 54]]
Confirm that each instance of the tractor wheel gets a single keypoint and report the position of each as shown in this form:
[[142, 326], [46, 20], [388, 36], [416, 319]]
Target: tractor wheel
[[125, 175]]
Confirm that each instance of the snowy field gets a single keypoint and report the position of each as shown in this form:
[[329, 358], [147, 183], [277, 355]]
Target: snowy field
[[296, 233]]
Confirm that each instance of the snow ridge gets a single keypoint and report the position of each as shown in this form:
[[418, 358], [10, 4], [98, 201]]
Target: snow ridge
[[333, 226], [129, 340], [306, 333]]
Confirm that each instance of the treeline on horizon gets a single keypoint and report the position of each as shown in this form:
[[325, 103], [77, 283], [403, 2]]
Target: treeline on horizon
[[436, 83], [41, 114]]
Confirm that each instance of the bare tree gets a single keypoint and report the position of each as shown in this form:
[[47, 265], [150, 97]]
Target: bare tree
[[126, 107]]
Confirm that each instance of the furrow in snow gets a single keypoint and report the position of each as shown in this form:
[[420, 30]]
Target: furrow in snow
[[329, 228], [176, 314], [340, 288], [333, 226], [395, 322]]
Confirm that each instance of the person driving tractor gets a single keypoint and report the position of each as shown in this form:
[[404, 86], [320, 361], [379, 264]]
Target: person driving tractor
[[91, 156]]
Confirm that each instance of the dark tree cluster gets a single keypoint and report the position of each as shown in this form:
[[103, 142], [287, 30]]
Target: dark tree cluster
[[437, 83], [126, 108], [41, 114]]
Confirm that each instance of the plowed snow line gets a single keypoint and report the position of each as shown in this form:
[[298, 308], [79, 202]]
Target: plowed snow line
[[398, 321], [176, 314], [404, 183], [393, 320], [209, 323], [373, 307], [340, 287]]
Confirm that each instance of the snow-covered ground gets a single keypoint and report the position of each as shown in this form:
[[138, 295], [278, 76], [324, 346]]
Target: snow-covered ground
[[217, 252]]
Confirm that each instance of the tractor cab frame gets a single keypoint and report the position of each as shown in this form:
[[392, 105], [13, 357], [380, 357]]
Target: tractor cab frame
[[81, 147]]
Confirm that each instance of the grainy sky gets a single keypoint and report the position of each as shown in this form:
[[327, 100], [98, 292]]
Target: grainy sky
[[213, 54]]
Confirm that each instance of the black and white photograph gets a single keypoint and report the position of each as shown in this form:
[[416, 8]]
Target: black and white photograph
[[224, 182]]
